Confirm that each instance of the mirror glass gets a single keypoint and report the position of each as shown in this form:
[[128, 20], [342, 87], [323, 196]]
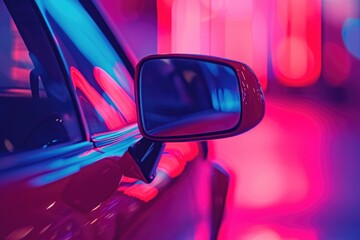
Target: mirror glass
[[184, 97]]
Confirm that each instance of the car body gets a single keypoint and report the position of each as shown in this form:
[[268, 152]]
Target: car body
[[68, 123]]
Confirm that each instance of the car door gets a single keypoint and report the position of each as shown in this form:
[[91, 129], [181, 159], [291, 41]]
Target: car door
[[66, 185], [99, 69], [41, 135]]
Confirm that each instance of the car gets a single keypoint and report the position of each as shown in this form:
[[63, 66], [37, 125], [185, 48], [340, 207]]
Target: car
[[92, 147]]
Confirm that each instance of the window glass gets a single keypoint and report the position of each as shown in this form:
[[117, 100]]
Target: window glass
[[36, 110], [103, 85]]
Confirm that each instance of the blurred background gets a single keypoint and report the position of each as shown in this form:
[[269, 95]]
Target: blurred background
[[296, 175]]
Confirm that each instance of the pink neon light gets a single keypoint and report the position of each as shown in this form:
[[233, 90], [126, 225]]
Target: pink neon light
[[125, 179], [186, 26], [260, 26], [20, 74], [291, 142], [296, 48], [19, 54], [178, 155], [262, 233], [117, 94], [216, 26], [142, 191], [112, 119], [164, 25], [282, 175], [230, 29], [172, 165], [238, 31], [202, 231], [277, 233]]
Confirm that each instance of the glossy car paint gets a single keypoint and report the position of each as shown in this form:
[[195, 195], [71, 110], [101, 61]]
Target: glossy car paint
[[34, 202], [37, 186]]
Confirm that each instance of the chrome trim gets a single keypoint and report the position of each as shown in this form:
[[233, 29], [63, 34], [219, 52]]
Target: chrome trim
[[130, 131]]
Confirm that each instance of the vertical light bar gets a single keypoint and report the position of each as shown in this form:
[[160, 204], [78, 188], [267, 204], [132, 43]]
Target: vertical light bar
[[261, 16], [233, 29], [296, 42], [238, 31], [246, 34], [213, 17], [164, 25], [186, 26]]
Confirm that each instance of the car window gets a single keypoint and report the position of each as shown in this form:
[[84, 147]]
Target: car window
[[36, 110], [103, 85]]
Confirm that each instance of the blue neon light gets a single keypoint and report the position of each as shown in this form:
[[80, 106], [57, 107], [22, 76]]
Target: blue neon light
[[351, 36]]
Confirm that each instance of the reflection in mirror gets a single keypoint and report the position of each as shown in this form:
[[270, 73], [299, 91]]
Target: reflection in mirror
[[183, 97]]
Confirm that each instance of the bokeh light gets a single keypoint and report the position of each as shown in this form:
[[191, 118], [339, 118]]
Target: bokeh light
[[337, 63], [351, 35], [293, 176]]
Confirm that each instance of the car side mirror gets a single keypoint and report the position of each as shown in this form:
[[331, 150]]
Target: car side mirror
[[181, 97]]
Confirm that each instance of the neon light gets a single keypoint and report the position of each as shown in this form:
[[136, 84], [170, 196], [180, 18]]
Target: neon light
[[296, 48], [225, 28], [351, 36], [164, 25], [20, 74], [202, 230], [186, 27], [246, 30], [238, 31], [116, 93], [84, 32], [19, 55], [213, 17], [111, 117], [176, 156], [241, 31], [260, 26], [260, 232], [86, 35], [142, 191], [54, 176], [172, 165], [125, 179], [283, 174]]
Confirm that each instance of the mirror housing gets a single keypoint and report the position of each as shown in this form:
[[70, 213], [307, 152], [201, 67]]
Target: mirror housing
[[157, 89]]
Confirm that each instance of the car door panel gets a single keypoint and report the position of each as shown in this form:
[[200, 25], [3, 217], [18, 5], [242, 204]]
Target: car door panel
[[45, 183], [42, 190]]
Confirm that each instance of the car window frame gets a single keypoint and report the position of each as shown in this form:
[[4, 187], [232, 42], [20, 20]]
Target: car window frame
[[114, 136], [90, 7], [88, 141], [31, 156], [97, 16]]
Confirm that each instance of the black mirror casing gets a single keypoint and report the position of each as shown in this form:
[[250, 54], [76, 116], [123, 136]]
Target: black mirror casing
[[249, 94]]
